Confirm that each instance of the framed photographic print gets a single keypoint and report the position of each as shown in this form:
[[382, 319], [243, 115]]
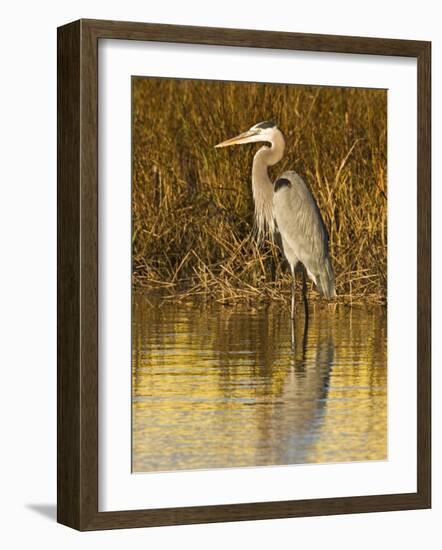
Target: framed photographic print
[[243, 275]]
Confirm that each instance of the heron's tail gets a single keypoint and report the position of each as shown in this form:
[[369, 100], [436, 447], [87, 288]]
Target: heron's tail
[[325, 281]]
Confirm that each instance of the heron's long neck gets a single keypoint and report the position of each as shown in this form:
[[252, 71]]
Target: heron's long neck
[[262, 185]]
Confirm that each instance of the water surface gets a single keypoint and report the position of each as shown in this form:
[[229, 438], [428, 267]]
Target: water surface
[[217, 386]]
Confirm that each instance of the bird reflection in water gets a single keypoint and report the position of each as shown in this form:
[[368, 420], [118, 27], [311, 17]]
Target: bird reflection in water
[[217, 387]]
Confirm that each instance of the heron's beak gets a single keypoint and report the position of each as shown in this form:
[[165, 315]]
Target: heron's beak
[[245, 137]]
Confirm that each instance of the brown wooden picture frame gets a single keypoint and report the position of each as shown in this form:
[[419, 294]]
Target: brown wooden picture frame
[[77, 458]]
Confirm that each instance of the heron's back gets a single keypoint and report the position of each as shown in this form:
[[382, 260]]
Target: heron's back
[[303, 231]]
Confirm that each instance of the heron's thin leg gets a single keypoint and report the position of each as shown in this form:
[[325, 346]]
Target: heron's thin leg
[[304, 294], [292, 321], [305, 340], [292, 316], [293, 310]]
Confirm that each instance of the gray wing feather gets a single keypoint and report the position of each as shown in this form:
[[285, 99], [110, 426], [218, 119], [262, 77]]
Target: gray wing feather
[[303, 231]]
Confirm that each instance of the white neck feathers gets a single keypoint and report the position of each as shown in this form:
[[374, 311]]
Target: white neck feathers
[[262, 185]]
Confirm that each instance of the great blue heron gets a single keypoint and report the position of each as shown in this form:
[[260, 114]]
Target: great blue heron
[[289, 203]]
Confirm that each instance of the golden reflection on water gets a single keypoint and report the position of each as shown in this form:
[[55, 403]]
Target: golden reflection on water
[[217, 387]]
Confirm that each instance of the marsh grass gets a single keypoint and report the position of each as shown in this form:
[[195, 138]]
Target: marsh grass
[[192, 209]]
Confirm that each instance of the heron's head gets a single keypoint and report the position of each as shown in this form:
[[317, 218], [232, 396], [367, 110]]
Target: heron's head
[[263, 131]]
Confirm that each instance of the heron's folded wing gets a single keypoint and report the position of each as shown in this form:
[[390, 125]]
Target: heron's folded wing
[[300, 223]]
